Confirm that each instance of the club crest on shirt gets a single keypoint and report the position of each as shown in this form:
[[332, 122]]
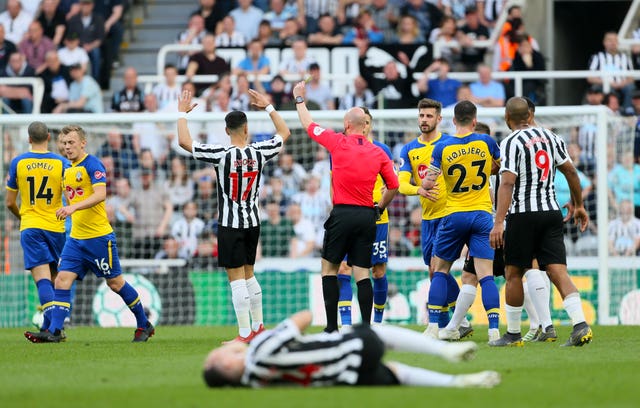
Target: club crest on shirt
[[318, 130], [99, 174], [422, 171], [79, 176]]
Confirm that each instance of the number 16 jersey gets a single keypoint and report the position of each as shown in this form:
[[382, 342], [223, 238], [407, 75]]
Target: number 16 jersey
[[465, 162]]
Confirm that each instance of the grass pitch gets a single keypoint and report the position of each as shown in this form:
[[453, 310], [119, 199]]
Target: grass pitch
[[102, 368]]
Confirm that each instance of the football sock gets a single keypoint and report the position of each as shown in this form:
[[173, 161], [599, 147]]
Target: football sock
[[463, 304], [534, 322], [573, 306], [241, 305], [365, 299], [344, 299], [514, 315], [380, 289], [444, 317], [540, 293], [437, 296], [452, 295], [406, 340], [416, 376], [45, 294], [132, 300], [59, 309], [491, 301], [330, 293], [255, 303]]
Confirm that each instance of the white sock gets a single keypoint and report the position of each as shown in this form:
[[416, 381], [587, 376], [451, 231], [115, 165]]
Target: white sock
[[255, 298], [401, 339], [539, 292], [514, 316], [534, 322], [465, 299], [408, 375], [573, 306], [240, 299]]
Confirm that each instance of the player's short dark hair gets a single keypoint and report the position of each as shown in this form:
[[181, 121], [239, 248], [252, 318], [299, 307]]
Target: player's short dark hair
[[482, 127], [214, 377], [465, 112], [235, 120], [38, 132], [367, 112], [532, 106], [426, 103], [74, 128]]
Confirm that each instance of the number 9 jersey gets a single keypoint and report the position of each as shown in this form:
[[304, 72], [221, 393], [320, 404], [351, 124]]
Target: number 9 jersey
[[465, 162], [38, 178]]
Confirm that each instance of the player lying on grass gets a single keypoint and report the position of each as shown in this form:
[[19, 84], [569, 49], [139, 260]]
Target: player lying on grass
[[286, 356]]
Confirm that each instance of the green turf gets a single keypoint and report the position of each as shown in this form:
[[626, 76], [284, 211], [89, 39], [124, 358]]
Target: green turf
[[101, 368]]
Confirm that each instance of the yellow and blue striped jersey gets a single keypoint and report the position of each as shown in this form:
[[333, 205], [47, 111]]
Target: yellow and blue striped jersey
[[465, 162], [415, 159], [79, 180], [37, 176]]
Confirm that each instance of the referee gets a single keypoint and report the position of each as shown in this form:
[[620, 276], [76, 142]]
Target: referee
[[351, 227]]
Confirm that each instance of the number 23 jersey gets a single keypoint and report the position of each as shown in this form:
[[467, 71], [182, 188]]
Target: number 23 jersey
[[79, 181], [465, 162]]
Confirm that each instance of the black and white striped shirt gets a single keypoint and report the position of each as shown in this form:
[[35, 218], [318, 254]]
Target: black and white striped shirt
[[283, 356], [619, 63], [316, 8], [238, 171], [533, 154]]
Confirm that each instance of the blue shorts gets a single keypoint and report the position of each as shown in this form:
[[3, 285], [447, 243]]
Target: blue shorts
[[41, 247], [471, 228], [428, 232], [99, 255], [380, 253]]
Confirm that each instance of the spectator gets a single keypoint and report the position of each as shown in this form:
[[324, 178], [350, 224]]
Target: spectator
[[328, 33], [614, 61], [361, 96], [446, 36], [508, 43], [206, 199], [299, 63], [612, 102], [187, 230], [408, 31], [72, 53], [427, 15], [278, 93], [90, 28], [394, 89], [256, 63], [35, 46], [303, 243], [489, 10], [291, 173], [364, 29], [487, 92], [385, 15], [442, 88], [15, 21], [528, 59], [322, 167], [18, 98], [130, 98], [624, 181], [179, 187], [125, 159], [290, 33], [193, 35], [276, 233], [310, 11], [212, 12], [56, 78], [274, 192], [228, 35], [167, 92], [624, 231], [151, 135], [319, 92], [207, 253], [315, 206], [278, 14], [52, 20], [84, 94], [170, 249], [195, 127], [112, 12], [6, 49], [124, 215], [472, 29], [248, 18], [154, 211], [399, 245], [240, 96], [266, 35], [206, 62]]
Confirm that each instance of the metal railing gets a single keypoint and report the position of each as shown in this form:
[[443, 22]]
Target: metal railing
[[37, 88]]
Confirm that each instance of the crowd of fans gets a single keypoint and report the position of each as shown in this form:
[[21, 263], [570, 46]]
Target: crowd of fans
[[74, 45]]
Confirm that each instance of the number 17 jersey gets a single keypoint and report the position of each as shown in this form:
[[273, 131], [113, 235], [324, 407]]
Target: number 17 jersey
[[465, 162]]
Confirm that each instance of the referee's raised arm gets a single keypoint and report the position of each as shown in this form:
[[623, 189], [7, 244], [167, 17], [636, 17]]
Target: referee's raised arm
[[261, 101]]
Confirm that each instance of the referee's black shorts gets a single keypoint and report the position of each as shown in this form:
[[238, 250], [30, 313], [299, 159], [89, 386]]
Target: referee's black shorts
[[498, 263], [350, 230], [237, 246], [534, 235]]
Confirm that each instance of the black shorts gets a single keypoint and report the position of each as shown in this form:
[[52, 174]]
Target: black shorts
[[534, 235], [498, 263], [372, 371], [350, 230], [237, 247]]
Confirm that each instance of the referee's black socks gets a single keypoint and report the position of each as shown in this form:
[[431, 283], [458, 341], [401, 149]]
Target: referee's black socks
[[365, 299], [330, 292]]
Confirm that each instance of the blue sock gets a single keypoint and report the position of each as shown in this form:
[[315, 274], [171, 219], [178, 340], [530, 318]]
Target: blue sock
[[491, 300], [46, 294], [452, 295], [380, 288], [437, 296], [132, 299], [73, 295], [444, 317], [59, 309], [344, 298]]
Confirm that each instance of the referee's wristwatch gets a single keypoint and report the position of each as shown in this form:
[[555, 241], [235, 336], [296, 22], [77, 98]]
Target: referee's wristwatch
[[299, 99]]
